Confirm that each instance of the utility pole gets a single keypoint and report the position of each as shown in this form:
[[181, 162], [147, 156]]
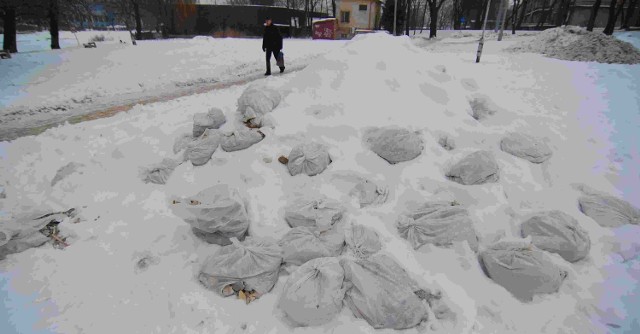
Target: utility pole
[[395, 14], [484, 25], [504, 17]]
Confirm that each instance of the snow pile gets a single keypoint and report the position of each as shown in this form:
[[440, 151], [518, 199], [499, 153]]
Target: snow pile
[[132, 231], [575, 43]]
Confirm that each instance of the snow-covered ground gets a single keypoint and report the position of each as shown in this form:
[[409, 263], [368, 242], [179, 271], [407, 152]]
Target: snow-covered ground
[[588, 112], [45, 87]]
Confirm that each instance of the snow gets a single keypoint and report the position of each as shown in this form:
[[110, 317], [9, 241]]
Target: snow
[[586, 112], [47, 87], [575, 43]]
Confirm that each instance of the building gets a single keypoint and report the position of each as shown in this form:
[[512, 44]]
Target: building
[[579, 13], [237, 20], [356, 15]]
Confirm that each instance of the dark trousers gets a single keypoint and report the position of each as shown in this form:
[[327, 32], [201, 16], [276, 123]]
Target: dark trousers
[[275, 56]]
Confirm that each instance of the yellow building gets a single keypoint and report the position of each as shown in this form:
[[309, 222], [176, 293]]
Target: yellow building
[[354, 15]]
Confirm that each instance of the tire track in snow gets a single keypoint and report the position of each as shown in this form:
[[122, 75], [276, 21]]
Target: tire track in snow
[[83, 113]]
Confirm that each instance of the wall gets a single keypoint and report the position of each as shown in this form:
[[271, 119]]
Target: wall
[[358, 19], [207, 19]]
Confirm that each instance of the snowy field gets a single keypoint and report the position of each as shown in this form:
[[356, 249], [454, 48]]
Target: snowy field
[[586, 112]]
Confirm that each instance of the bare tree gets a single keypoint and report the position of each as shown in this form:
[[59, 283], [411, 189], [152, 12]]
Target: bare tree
[[9, 13], [456, 13], [630, 10], [54, 28], [434, 7], [611, 21], [545, 13], [594, 13], [563, 12]]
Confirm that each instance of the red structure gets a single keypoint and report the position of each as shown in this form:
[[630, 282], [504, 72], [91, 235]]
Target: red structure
[[325, 29]]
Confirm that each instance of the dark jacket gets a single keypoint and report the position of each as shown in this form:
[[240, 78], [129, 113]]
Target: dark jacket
[[271, 39]]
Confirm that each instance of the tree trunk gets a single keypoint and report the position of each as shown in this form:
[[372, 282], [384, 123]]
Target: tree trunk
[[424, 16], [543, 15], [562, 12], [407, 17], [618, 12], [513, 18], [9, 19], [433, 13], [523, 13], [480, 16], [594, 14], [630, 11], [136, 12], [53, 24], [333, 6], [611, 22]]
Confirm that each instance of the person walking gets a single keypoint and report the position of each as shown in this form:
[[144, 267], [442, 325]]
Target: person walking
[[271, 44]]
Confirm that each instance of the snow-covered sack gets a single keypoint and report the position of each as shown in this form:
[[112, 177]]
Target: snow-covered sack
[[200, 150], [522, 269], [312, 212], [362, 241], [557, 232], [394, 144], [313, 294], [526, 147], [608, 211], [302, 244], [159, 173], [482, 106], [256, 101], [22, 230], [438, 223], [213, 119], [308, 158], [217, 213], [475, 168], [240, 139], [369, 193], [380, 291], [182, 142], [251, 265]]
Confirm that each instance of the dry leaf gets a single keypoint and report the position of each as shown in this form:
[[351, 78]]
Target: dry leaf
[[194, 202], [283, 160], [227, 291], [242, 296]]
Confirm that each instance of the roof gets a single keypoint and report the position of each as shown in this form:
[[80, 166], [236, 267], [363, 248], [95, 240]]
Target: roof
[[323, 20]]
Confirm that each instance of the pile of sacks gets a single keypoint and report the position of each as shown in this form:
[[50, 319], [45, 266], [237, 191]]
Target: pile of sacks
[[332, 265], [523, 267], [199, 146], [372, 285]]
